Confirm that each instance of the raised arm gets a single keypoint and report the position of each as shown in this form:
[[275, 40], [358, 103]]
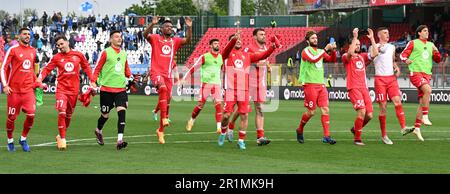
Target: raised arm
[[188, 38], [352, 47], [149, 29], [230, 45], [374, 50]]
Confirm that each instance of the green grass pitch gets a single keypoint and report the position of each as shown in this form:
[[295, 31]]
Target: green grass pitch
[[198, 152]]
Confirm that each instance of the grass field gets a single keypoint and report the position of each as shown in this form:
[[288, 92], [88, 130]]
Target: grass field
[[198, 152]]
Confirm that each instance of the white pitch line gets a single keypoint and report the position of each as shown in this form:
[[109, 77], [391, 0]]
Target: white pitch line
[[215, 141], [201, 133]]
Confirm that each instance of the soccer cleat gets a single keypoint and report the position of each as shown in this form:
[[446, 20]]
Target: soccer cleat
[[418, 134], [426, 121], [99, 137], [60, 143], [300, 138], [262, 141], [24, 145], [352, 130], [359, 143], [328, 140], [221, 139], [230, 135], [241, 145], [407, 130], [189, 125], [386, 140], [121, 144], [11, 147], [166, 122], [155, 116], [160, 137]]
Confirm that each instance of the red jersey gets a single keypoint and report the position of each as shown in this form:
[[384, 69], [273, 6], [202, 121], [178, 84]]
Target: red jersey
[[68, 76], [18, 68], [258, 73], [98, 68], [237, 68], [163, 54], [356, 70]]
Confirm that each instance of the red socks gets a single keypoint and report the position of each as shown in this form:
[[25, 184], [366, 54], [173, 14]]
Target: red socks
[[400, 116], [68, 119], [358, 128], [195, 112], [218, 107], [326, 125], [425, 110], [259, 133], [242, 135], [27, 125], [9, 128], [62, 125], [303, 122], [418, 123], [382, 119]]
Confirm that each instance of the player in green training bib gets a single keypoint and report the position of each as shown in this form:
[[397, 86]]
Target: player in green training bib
[[312, 79], [419, 54], [112, 74], [211, 64]]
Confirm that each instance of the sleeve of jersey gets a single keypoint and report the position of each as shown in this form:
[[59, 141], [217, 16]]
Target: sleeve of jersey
[[331, 57], [226, 52], [308, 56], [200, 61], [255, 57], [150, 38], [48, 68], [436, 56], [344, 59], [407, 51], [5, 66], [86, 67], [98, 67], [127, 69]]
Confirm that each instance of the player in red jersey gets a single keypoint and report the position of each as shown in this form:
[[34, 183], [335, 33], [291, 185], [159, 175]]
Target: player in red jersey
[[355, 64], [237, 84], [164, 49], [68, 62], [19, 81], [257, 87]]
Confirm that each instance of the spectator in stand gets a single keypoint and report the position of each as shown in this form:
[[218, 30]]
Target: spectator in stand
[[98, 20], [44, 18], [94, 32], [99, 45], [87, 57], [75, 23]]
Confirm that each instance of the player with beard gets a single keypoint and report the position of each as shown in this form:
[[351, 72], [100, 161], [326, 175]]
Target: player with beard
[[19, 81], [68, 62], [164, 50], [355, 63], [311, 77]]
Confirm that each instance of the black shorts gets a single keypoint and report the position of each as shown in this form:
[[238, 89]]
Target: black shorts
[[109, 100]]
